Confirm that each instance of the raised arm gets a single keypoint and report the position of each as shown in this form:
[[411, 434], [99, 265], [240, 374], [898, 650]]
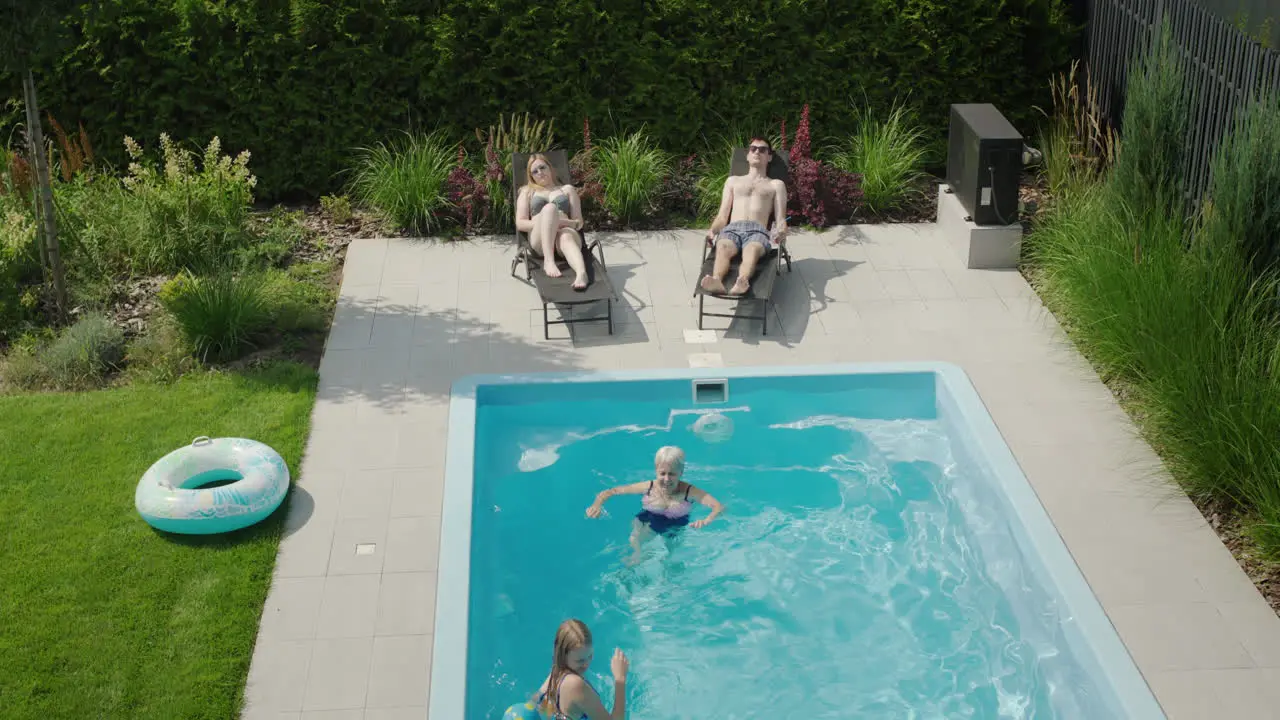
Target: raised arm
[[702, 497], [631, 489], [779, 210], [725, 211], [587, 701], [523, 222]]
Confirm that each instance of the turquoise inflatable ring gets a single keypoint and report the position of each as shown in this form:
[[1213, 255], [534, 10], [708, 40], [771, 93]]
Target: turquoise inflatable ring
[[522, 711], [170, 495]]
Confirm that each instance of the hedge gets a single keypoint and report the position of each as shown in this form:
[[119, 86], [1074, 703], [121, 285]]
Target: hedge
[[302, 83]]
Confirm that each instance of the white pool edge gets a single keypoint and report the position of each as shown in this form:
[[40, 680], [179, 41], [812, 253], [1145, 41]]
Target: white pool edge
[[449, 652]]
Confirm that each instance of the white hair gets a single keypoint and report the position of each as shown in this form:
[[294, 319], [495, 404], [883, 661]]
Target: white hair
[[670, 456]]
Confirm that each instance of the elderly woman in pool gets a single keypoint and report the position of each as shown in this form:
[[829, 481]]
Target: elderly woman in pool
[[552, 215], [667, 499]]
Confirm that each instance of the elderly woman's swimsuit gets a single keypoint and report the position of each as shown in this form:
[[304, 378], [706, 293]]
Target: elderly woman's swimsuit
[[664, 519]]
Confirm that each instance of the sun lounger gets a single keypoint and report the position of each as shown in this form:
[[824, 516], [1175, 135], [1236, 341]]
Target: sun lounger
[[767, 269], [559, 291]]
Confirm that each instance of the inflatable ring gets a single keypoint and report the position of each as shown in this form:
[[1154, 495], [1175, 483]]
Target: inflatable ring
[[522, 711], [713, 427], [171, 496]]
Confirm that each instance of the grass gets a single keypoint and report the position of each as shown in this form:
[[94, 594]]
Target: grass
[[220, 315], [631, 169], [405, 180], [890, 154], [100, 616], [1165, 308]]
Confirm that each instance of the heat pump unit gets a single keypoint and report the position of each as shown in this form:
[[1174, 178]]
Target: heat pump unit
[[984, 163]]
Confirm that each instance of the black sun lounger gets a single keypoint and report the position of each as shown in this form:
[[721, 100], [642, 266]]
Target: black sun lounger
[[767, 269], [559, 291]]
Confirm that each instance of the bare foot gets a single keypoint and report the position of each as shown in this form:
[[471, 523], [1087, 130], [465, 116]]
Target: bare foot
[[549, 267], [740, 287], [713, 285], [580, 282]]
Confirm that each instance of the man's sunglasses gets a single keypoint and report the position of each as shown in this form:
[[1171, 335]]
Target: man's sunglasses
[[762, 149]]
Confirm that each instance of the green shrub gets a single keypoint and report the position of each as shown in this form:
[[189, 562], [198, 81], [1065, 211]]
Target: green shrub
[[631, 169], [276, 236], [1244, 207], [78, 358], [404, 180], [84, 353], [183, 215], [1153, 150], [301, 83], [298, 303], [889, 154], [19, 267], [220, 315], [161, 354], [1077, 142], [336, 207], [1192, 338], [714, 170], [517, 133]]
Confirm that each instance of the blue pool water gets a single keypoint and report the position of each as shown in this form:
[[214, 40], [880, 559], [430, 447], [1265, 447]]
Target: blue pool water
[[864, 566]]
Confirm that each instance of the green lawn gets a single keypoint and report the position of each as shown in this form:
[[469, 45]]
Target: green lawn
[[101, 616]]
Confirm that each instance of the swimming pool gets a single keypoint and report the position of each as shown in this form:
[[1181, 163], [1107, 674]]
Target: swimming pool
[[881, 554]]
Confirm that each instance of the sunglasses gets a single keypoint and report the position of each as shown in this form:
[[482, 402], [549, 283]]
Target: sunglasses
[[761, 149], [538, 169]]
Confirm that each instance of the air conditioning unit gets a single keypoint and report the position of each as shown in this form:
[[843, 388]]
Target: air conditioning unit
[[984, 163]]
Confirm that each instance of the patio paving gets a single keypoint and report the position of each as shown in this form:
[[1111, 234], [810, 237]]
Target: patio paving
[[346, 631]]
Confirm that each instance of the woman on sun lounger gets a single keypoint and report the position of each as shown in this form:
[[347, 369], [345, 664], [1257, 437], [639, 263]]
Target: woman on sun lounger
[[552, 215], [667, 500]]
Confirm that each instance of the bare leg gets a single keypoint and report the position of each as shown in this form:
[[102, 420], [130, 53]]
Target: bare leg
[[725, 251], [571, 248], [640, 534], [751, 254], [545, 226]]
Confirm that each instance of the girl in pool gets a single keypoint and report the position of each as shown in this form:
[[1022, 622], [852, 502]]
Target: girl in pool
[[667, 500], [566, 695]]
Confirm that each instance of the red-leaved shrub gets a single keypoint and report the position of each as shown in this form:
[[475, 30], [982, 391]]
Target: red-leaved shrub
[[467, 196], [818, 194]]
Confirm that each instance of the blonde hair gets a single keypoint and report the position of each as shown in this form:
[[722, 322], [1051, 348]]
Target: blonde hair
[[572, 634], [530, 184], [670, 456]]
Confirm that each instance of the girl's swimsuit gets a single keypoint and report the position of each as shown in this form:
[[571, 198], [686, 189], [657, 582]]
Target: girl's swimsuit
[[560, 713], [664, 519]]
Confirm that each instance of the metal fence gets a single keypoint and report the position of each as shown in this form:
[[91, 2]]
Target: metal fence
[[1224, 68]]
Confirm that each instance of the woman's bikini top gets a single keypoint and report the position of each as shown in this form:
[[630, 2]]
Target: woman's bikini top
[[674, 511], [560, 713], [537, 202]]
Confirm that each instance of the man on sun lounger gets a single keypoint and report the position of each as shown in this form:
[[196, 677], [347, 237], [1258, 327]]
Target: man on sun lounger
[[740, 226]]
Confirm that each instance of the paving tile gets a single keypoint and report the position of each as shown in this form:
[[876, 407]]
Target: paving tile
[[356, 714], [416, 712], [339, 674], [359, 546], [1178, 636], [305, 552], [349, 606], [1253, 623], [417, 492], [278, 675], [292, 609], [413, 544], [400, 671], [407, 604]]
